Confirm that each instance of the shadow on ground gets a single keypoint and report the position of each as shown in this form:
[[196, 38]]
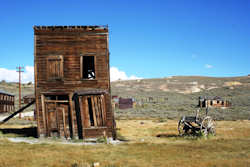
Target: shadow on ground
[[166, 135], [24, 132]]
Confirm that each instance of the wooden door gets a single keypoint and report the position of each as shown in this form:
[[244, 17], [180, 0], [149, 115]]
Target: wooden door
[[58, 119], [63, 120], [52, 119]]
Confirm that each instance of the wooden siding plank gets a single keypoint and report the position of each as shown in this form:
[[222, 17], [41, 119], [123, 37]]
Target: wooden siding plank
[[103, 110], [86, 112], [93, 109], [71, 115], [64, 123], [97, 110], [43, 114]]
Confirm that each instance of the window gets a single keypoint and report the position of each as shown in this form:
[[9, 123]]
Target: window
[[55, 67], [88, 67]]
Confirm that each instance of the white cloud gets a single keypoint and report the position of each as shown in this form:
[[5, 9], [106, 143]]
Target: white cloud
[[28, 75], [208, 66], [13, 76], [116, 74], [8, 75]]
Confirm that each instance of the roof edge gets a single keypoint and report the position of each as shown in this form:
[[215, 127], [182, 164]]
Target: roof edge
[[5, 93], [71, 27]]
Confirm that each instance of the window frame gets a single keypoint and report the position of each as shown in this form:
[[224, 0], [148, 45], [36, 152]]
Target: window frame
[[81, 66]]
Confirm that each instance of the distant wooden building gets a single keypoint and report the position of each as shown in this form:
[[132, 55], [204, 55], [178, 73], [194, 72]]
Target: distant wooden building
[[72, 81], [216, 101], [125, 103], [28, 98], [122, 103], [7, 102]]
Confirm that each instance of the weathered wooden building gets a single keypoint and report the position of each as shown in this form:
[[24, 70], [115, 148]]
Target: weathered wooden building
[[72, 81], [216, 101], [125, 103], [28, 98], [7, 102]]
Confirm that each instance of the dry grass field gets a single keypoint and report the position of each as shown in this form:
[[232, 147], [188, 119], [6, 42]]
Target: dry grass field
[[148, 143], [148, 131]]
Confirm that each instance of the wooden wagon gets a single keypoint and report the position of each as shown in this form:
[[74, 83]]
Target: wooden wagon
[[191, 125]]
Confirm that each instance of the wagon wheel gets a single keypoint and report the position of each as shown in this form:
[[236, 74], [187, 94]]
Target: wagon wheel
[[183, 128], [208, 126]]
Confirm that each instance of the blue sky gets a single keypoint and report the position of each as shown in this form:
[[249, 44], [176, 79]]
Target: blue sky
[[148, 38]]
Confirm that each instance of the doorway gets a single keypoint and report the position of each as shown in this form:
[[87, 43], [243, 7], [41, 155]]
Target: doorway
[[57, 113]]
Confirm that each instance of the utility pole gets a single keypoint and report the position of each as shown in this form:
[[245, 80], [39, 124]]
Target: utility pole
[[19, 70]]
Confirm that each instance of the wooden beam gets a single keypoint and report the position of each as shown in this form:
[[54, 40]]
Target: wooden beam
[[15, 113], [81, 112], [93, 109], [86, 112], [56, 101], [96, 111], [81, 67], [101, 109], [71, 114], [64, 123], [44, 116], [104, 110], [78, 115]]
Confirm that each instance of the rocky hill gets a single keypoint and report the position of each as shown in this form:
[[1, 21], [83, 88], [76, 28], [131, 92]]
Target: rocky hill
[[179, 84], [172, 97], [178, 95]]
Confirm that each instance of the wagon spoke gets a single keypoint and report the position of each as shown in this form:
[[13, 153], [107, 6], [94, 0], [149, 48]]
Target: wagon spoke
[[208, 126]]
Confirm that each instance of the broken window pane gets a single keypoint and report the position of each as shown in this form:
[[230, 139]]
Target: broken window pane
[[88, 67]]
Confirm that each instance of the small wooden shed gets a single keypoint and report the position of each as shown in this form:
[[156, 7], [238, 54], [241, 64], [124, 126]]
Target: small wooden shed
[[28, 98], [7, 102], [72, 81], [125, 103], [213, 102]]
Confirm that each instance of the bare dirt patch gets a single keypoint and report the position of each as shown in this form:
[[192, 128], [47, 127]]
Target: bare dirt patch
[[232, 83]]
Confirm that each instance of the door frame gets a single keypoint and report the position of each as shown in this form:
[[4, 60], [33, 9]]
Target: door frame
[[44, 103]]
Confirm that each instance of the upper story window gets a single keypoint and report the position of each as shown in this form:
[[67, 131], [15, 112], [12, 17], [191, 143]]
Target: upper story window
[[55, 67], [88, 67]]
